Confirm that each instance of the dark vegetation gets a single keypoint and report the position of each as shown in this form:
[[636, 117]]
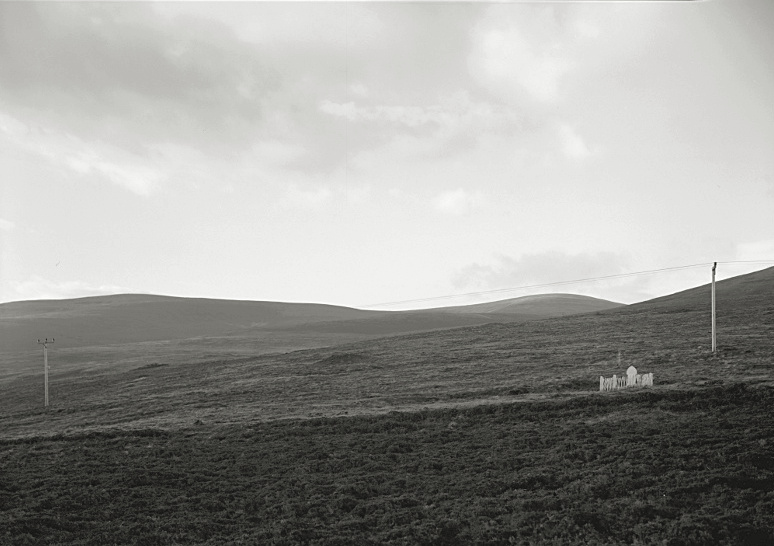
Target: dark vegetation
[[500, 438], [632, 468], [255, 326]]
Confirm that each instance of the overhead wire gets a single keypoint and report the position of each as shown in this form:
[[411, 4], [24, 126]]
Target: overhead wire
[[560, 283], [749, 262]]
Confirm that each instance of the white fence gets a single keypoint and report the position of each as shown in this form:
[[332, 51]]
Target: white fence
[[631, 379]]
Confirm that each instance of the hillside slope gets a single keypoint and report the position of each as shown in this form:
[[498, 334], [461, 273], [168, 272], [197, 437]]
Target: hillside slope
[[500, 437], [134, 318], [539, 305], [138, 318], [488, 363], [750, 289]]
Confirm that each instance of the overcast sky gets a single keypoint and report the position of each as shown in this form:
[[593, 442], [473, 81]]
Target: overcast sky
[[360, 153]]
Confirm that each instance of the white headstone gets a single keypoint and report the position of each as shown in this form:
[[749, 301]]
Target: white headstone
[[631, 375]]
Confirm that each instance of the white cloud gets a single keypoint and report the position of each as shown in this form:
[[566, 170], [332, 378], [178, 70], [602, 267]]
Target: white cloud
[[11, 126], [138, 179], [121, 74], [388, 137], [411, 116], [595, 274], [119, 167], [756, 250], [457, 202], [276, 152], [586, 28], [540, 268], [453, 111], [527, 52], [319, 194], [37, 288], [358, 89], [296, 197], [541, 51], [6, 225], [324, 24], [508, 58], [573, 144]]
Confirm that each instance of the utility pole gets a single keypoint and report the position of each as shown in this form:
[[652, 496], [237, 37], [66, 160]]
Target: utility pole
[[714, 343], [45, 343]]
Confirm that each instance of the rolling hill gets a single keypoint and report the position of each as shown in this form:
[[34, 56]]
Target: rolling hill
[[488, 434], [538, 306], [138, 318], [751, 290], [498, 361]]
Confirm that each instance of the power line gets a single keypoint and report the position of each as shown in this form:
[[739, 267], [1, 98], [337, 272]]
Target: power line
[[560, 283], [749, 262], [545, 285]]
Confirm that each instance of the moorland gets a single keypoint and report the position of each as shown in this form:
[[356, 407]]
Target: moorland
[[492, 433], [125, 330]]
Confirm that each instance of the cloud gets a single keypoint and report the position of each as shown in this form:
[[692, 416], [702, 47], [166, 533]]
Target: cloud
[[572, 143], [358, 89], [124, 169], [525, 50], [6, 225], [138, 179], [310, 199], [274, 153], [37, 288], [455, 124], [411, 116], [287, 24], [507, 58], [539, 268], [556, 271], [453, 111], [223, 79], [756, 250], [457, 202], [542, 54], [118, 72]]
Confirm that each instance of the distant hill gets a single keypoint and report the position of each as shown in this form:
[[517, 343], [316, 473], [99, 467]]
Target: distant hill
[[134, 318], [540, 305], [130, 318], [520, 309]]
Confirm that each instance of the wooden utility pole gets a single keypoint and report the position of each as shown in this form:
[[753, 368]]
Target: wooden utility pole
[[45, 343], [714, 342]]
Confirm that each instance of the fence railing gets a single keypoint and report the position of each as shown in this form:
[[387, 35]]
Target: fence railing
[[624, 381]]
